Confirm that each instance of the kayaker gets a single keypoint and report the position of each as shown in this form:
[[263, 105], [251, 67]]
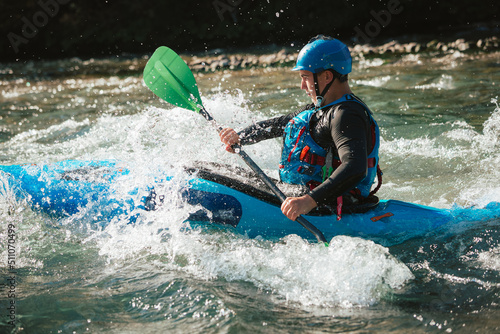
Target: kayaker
[[330, 147]]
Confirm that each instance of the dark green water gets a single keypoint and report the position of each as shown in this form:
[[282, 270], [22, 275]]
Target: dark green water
[[440, 126]]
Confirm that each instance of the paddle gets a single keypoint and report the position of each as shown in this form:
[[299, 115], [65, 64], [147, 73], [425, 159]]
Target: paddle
[[170, 78]]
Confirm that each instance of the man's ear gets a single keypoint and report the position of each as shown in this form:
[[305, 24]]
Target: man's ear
[[329, 76]]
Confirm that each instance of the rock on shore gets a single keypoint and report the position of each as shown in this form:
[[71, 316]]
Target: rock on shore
[[285, 57]]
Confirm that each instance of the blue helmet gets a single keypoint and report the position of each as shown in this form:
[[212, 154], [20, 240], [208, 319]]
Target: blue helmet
[[324, 54]]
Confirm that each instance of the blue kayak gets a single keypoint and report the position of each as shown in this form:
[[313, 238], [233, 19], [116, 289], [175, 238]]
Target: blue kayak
[[219, 196]]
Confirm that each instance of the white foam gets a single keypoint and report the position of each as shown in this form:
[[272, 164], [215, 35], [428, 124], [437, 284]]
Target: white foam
[[490, 260], [363, 63], [351, 272], [444, 82], [374, 82]]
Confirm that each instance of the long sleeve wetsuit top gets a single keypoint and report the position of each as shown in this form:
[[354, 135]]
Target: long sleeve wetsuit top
[[343, 128]]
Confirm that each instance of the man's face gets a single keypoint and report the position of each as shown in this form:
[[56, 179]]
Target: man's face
[[307, 83]]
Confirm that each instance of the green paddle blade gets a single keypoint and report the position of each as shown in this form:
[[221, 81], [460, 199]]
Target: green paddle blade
[[170, 78]]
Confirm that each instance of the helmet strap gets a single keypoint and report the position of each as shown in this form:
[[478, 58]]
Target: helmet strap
[[320, 96]]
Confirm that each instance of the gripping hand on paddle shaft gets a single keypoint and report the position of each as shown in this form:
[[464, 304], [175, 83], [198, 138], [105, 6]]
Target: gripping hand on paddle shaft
[[229, 137], [293, 207]]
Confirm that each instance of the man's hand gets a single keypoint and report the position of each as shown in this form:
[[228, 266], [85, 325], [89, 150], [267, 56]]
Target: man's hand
[[293, 207], [229, 137]]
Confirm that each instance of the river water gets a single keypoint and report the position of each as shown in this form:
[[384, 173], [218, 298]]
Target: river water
[[440, 127]]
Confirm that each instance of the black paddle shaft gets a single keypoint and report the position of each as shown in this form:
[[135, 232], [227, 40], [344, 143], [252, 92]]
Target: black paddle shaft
[[237, 148]]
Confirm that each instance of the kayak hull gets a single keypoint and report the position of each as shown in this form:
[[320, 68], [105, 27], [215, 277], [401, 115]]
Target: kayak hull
[[106, 189], [390, 222]]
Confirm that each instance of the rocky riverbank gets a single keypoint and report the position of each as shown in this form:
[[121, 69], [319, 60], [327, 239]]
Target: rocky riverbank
[[220, 60]]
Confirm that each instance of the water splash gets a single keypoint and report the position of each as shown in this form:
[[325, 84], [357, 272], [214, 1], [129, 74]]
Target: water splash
[[351, 272]]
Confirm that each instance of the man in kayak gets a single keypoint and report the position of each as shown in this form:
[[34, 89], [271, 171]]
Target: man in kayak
[[330, 146]]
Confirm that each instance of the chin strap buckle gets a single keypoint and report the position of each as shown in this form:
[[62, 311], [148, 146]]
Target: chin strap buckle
[[319, 101]]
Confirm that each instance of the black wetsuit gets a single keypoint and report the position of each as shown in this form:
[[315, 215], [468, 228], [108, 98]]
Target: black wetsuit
[[345, 128]]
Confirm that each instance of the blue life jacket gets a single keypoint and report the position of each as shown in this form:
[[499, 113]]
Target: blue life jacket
[[303, 161]]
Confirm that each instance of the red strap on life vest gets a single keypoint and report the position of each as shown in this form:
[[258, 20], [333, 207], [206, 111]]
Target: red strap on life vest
[[296, 143], [340, 202], [311, 158], [314, 159]]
